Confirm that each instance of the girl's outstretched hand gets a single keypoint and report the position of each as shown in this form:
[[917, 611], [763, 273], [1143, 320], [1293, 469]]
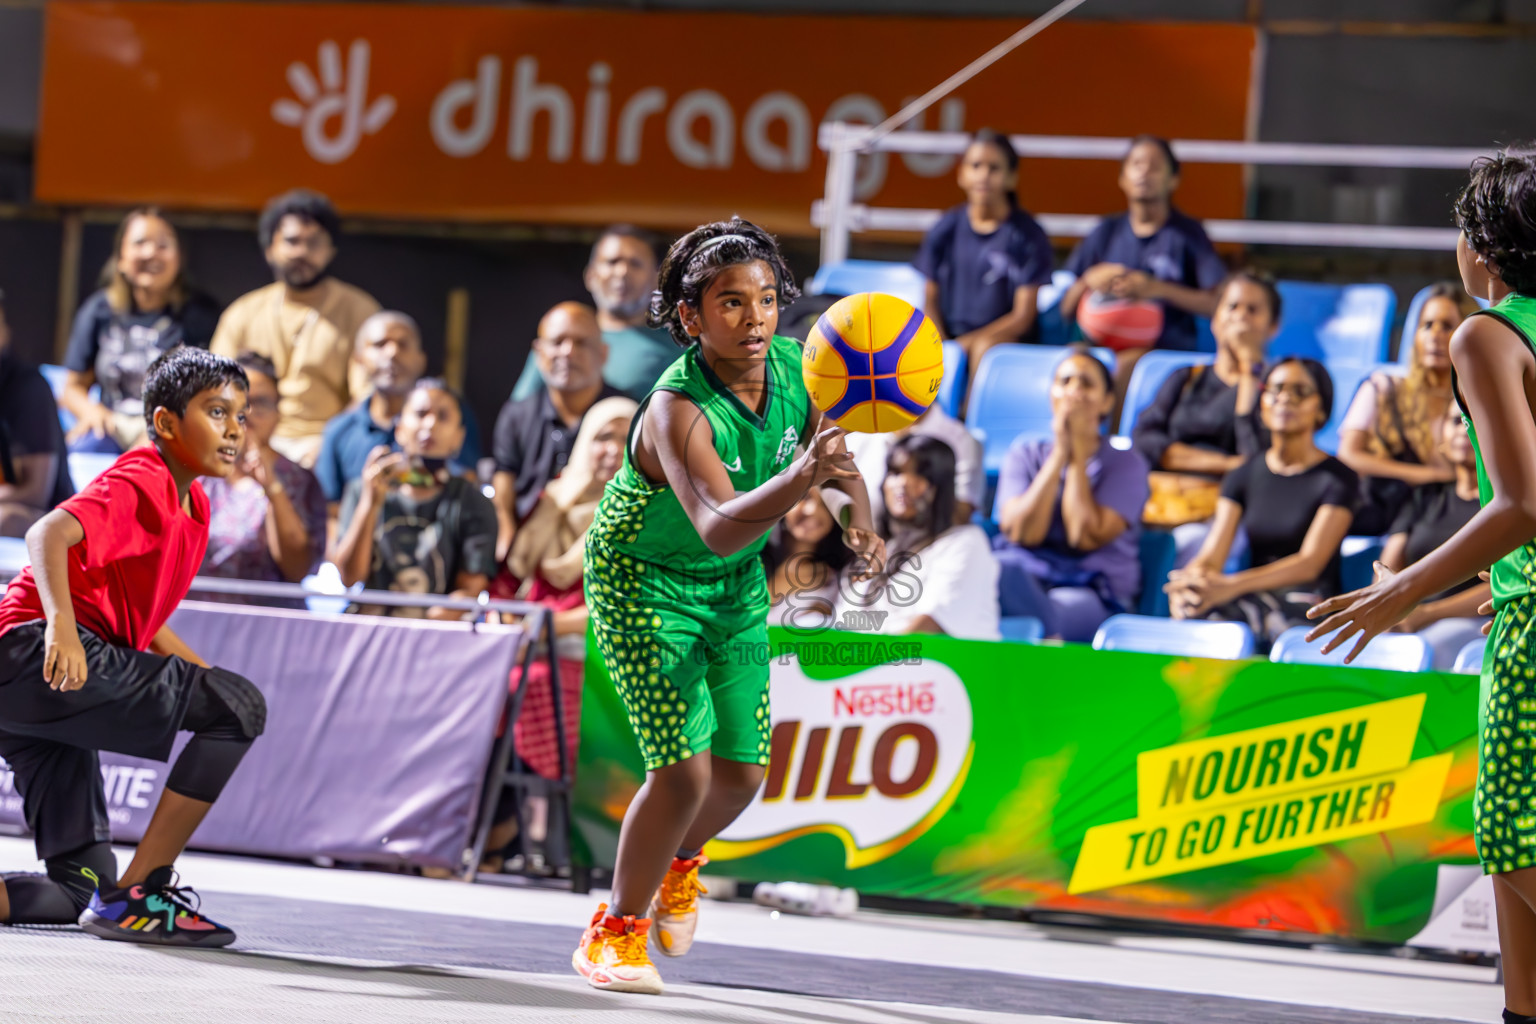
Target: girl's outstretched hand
[[1368, 612]]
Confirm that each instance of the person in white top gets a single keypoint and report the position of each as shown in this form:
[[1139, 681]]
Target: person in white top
[[871, 450], [939, 577], [804, 558]]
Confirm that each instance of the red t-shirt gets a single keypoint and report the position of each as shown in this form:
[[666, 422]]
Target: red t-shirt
[[138, 557]]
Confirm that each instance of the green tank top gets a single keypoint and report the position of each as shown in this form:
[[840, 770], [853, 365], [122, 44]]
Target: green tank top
[[1513, 575], [646, 522]]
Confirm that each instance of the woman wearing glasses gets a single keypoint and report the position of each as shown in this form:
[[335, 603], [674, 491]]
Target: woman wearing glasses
[[1294, 501], [266, 521]]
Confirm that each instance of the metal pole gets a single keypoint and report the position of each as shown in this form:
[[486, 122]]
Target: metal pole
[[842, 164]]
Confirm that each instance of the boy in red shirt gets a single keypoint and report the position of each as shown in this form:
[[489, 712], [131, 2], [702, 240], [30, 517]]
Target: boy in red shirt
[[87, 663]]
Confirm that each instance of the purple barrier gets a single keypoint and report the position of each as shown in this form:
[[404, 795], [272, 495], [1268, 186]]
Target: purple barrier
[[379, 735]]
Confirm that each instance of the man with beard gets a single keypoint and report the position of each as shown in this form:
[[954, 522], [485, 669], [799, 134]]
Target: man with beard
[[305, 321], [534, 435], [621, 274]]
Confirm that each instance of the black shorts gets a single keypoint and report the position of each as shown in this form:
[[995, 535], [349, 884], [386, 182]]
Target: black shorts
[[132, 703]]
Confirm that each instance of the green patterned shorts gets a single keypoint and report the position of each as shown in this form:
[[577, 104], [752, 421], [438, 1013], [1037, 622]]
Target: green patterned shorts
[[1504, 805], [688, 655]]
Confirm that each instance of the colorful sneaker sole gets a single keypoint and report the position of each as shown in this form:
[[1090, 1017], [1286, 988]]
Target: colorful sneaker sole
[[152, 933], [599, 978]]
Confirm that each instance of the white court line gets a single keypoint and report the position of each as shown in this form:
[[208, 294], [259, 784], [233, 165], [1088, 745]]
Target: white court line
[[1297, 977]]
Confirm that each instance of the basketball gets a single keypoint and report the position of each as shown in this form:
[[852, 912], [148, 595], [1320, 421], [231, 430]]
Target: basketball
[[1120, 323], [873, 363]]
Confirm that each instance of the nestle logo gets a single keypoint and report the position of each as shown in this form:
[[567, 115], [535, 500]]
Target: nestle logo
[[884, 699]]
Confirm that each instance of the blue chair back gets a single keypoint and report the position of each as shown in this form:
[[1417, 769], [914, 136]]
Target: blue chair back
[[850, 277], [1188, 638], [1469, 660], [1335, 323], [1053, 328], [1205, 341], [1022, 629], [1158, 553], [87, 466], [1151, 370], [956, 370], [13, 556], [1395, 652], [1347, 378], [1012, 396], [1357, 567]]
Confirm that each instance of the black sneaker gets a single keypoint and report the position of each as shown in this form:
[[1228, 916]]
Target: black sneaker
[[156, 912]]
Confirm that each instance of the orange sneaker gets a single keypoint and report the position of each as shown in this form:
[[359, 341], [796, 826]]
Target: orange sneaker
[[612, 954], [675, 907]]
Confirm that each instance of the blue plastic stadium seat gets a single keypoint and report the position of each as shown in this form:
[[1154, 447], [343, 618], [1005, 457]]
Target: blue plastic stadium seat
[[1469, 660], [1335, 323], [851, 277], [956, 367], [87, 466], [13, 556], [1158, 552], [1396, 652], [1054, 329], [1347, 378], [1011, 396], [1190, 638], [1151, 370], [1357, 567], [1022, 629], [1205, 341]]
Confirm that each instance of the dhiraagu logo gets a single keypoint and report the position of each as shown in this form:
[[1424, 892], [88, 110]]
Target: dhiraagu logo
[[1280, 787], [334, 114], [873, 759]]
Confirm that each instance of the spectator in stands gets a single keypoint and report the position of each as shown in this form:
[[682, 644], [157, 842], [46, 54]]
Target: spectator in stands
[[410, 524], [1205, 420], [938, 577], [34, 463], [985, 259], [389, 350], [1389, 433], [1449, 620], [305, 322], [620, 275], [804, 559], [1152, 252], [1294, 500], [266, 520], [871, 450], [547, 557], [1070, 512], [534, 435], [143, 308]]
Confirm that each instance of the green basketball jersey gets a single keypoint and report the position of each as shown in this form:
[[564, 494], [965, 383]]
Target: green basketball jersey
[[645, 522], [1513, 575]]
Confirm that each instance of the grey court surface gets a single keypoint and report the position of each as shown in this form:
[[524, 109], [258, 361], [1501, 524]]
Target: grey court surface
[[347, 946]]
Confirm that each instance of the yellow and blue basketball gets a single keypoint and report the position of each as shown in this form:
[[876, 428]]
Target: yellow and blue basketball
[[872, 363]]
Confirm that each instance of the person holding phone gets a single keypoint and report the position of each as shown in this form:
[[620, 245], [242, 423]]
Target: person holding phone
[[411, 525]]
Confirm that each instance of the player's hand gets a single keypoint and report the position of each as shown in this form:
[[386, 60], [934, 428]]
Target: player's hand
[[380, 469], [1100, 276], [828, 458], [63, 659], [870, 548], [1368, 613]]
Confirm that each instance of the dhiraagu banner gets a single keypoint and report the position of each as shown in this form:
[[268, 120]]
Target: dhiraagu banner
[[1237, 794]]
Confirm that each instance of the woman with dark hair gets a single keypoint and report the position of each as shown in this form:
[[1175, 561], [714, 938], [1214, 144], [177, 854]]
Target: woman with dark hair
[[142, 309], [1389, 432], [1070, 512], [1205, 422], [266, 520], [985, 259], [1494, 383], [804, 559], [1152, 254], [674, 582], [1295, 503], [939, 577]]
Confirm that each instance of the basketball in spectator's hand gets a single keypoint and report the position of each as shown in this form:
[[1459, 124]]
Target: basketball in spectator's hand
[[1120, 323]]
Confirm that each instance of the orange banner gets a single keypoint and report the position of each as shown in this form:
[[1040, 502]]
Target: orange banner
[[669, 119]]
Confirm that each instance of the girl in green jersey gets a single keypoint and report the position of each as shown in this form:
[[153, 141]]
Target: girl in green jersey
[[725, 444], [1493, 376]]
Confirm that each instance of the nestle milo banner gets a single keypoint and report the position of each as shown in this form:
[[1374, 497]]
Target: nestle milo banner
[[1240, 794]]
